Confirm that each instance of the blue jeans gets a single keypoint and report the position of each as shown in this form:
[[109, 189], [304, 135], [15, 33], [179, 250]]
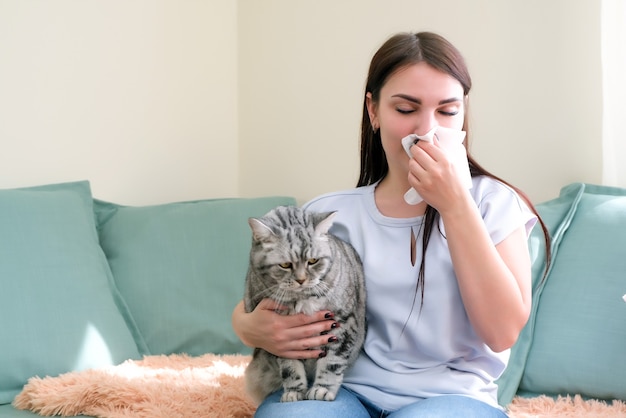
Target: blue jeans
[[350, 405]]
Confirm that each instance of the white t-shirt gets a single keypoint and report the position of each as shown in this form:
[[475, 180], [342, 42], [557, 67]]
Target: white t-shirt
[[411, 351]]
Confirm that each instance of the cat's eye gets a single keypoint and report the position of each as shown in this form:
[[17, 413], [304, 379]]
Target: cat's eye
[[285, 266], [312, 261]]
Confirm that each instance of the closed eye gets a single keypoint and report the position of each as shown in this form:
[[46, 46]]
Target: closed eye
[[442, 112]]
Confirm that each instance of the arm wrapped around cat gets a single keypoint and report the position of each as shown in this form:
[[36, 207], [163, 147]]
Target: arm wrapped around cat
[[295, 261]]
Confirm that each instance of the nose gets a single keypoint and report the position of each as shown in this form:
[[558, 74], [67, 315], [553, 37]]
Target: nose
[[425, 123], [300, 276]]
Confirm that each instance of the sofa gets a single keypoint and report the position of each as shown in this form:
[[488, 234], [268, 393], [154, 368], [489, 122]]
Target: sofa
[[87, 284]]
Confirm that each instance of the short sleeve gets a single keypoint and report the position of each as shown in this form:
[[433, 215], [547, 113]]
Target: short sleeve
[[502, 209]]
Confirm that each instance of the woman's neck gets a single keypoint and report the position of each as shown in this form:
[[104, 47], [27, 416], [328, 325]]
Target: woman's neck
[[389, 198]]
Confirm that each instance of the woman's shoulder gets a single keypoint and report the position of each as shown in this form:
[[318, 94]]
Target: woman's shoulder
[[501, 207], [338, 199], [485, 187]]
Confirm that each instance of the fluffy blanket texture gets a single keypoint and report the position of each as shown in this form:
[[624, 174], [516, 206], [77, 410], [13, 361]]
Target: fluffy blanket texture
[[209, 386]]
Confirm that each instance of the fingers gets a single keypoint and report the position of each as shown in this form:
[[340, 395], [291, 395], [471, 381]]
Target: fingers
[[302, 319], [429, 165], [308, 336], [296, 336], [426, 153], [303, 348], [312, 335]]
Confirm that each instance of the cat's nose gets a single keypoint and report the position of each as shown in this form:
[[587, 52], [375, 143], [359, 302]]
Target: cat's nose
[[300, 277]]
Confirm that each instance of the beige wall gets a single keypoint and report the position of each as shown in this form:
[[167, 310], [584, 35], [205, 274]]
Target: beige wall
[[156, 101], [139, 97], [535, 103]]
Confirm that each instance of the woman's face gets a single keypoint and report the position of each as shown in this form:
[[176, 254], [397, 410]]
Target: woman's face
[[414, 100]]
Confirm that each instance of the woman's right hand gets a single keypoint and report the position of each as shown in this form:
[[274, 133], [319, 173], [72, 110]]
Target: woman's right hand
[[296, 336]]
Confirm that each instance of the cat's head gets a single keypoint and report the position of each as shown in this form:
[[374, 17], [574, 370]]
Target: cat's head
[[291, 251]]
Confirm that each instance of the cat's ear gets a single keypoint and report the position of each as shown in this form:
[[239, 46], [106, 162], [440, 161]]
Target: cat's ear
[[324, 222], [260, 231]]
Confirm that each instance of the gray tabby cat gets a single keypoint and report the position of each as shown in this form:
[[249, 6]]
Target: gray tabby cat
[[297, 263]]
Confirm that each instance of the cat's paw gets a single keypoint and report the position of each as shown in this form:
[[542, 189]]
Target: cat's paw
[[320, 393], [292, 396]]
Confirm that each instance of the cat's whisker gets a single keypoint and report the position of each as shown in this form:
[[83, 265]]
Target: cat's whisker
[[280, 296], [324, 289], [267, 292]]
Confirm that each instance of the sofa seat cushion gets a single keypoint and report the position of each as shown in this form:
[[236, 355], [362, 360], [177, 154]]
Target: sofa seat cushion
[[181, 268], [58, 308]]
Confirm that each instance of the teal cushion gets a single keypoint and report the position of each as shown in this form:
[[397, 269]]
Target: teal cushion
[[181, 268], [57, 308], [575, 338], [557, 215]]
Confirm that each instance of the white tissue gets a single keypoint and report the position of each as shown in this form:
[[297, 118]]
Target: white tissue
[[451, 141]]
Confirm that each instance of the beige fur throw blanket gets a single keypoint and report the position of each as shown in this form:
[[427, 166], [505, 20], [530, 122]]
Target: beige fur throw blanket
[[209, 386]]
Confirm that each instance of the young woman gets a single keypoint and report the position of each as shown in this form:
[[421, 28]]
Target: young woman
[[448, 280]]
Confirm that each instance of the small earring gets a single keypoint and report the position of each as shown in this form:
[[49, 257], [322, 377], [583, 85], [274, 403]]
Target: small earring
[[374, 128]]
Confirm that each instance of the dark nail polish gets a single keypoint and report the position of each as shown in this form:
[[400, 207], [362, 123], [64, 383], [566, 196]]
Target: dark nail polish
[[335, 325], [329, 315], [332, 339], [322, 354]]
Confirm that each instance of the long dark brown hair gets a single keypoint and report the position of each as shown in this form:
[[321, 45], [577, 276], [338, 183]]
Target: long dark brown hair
[[398, 52]]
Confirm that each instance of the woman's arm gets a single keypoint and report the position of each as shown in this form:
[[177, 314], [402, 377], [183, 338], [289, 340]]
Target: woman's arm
[[290, 336], [494, 280]]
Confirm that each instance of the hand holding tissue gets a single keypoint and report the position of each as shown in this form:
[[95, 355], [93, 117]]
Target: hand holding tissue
[[451, 141]]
